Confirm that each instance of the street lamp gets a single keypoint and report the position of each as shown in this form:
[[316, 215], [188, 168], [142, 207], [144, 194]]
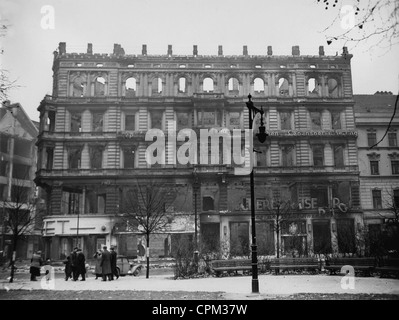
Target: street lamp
[[252, 111]]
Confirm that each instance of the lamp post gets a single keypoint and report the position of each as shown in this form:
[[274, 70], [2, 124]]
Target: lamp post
[[195, 189], [252, 111]]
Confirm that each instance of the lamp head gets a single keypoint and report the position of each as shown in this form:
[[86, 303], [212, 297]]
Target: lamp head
[[262, 134]]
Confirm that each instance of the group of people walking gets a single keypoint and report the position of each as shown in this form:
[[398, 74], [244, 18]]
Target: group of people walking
[[75, 265]]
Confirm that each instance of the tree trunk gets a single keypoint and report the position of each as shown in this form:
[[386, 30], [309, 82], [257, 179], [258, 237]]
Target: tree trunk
[[148, 255], [14, 251], [278, 242]]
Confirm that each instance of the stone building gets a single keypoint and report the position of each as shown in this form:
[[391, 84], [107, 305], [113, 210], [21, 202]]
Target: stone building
[[378, 159], [17, 170], [92, 144]]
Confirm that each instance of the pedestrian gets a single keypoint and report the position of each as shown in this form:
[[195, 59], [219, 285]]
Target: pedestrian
[[113, 264], [81, 265], [106, 264], [36, 263], [97, 269], [68, 268], [74, 263]]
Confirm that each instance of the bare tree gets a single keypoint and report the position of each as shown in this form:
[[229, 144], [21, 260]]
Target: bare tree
[[371, 21], [21, 217], [145, 209]]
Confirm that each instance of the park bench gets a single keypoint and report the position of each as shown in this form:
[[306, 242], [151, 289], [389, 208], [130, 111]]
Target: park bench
[[294, 264], [389, 265], [231, 265], [364, 265]]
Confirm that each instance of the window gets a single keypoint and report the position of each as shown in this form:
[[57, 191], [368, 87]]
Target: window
[[3, 168], [95, 202], [234, 120], [283, 87], [285, 120], [4, 143], [74, 157], [315, 119], [209, 118], [97, 125], [156, 119], [259, 85], [130, 122], [374, 167], [22, 148], [335, 120], [51, 121], [183, 120], [49, 159], [99, 86], [346, 235], [76, 122], [287, 153], [313, 87], [79, 87], [20, 171], [395, 166], [128, 157], [130, 88], [371, 138], [332, 88], [233, 86], [318, 156], [208, 85], [396, 198], [261, 156], [157, 86], [182, 85], [208, 204], [70, 202], [338, 156], [96, 157], [392, 139], [377, 201], [320, 193]]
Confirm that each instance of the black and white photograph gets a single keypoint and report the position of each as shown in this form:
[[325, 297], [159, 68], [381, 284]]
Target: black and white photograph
[[196, 157]]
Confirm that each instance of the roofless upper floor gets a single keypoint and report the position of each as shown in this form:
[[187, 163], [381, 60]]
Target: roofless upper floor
[[132, 76]]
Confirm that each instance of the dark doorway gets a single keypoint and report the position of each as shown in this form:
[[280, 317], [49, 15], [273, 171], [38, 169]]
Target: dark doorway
[[321, 237]]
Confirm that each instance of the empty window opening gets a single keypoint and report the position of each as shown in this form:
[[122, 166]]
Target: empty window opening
[[332, 88], [208, 85], [97, 125], [76, 122], [182, 85], [78, 87], [313, 87], [338, 156], [208, 204], [283, 87], [233, 85], [336, 120], [285, 120], [99, 86], [259, 85], [129, 158], [96, 157], [130, 87], [287, 153], [315, 118], [157, 86], [22, 148], [156, 119], [74, 158]]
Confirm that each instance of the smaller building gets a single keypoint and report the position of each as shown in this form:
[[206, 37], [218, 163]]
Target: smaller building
[[18, 134], [378, 151]]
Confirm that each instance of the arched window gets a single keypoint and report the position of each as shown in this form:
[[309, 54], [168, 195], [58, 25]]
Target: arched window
[[79, 87], [313, 87], [283, 87], [99, 86], [208, 85], [259, 85], [234, 86], [130, 87], [332, 88]]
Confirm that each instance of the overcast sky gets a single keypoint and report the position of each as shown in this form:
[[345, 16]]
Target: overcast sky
[[28, 47]]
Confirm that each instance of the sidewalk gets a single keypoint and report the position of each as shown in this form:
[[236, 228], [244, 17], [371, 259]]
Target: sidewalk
[[238, 287]]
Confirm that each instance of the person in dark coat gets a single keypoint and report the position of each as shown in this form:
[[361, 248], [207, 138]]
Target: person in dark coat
[[36, 263], [81, 266], [68, 268], [74, 264], [113, 264], [98, 270], [106, 264]]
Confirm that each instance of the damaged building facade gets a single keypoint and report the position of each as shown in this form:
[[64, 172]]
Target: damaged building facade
[[92, 144]]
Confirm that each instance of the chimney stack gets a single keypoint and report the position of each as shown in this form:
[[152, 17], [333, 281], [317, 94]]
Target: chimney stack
[[269, 50], [220, 51], [321, 51], [62, 48], [90, 48], [295, 51], [144, 50], [245, 50], [169, 50], [195, 50]]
